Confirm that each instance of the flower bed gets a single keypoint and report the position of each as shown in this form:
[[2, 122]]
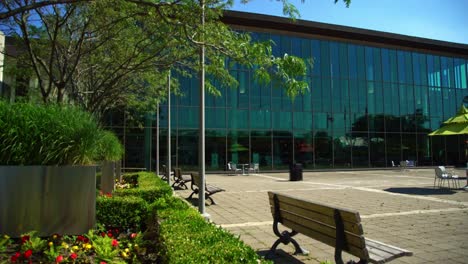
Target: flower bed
[[158, 229]]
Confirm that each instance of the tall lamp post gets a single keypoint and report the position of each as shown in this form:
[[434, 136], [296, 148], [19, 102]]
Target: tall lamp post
[[201, 136], [169, 128], [157, 139]]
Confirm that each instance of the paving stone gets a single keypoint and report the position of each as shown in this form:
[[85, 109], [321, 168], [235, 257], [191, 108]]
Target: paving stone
[[398, 208]]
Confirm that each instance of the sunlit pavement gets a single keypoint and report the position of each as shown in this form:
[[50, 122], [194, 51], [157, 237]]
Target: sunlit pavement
[[400, 208]]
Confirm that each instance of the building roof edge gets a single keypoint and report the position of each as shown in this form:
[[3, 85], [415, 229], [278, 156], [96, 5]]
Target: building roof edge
[[237, 18]]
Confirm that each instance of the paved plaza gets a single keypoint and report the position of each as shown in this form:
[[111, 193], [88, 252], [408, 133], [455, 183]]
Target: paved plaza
[[400, 208]]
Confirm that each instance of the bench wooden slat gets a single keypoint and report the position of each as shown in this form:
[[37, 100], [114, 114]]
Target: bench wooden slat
[[346, 214], [380, 252], [352, 227], [318, 221], [322, 229], [358, 252]]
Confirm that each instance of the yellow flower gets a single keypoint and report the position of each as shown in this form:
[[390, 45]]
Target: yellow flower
[[65, 245], [124, 255], [6, 237], [51, 244], [88, 246], [75, 248], [54, 236], [127, 250]]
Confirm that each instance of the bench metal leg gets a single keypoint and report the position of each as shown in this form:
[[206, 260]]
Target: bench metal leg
[[285, 237]]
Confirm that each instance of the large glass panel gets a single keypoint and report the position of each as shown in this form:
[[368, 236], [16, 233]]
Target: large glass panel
[[342, 149], [188, 117], [424, 150], [449, 102], [344, 69], [439, 153], [393, 141], [282, 120], [361, 62], [352, 61], [316, 55], [215, 144], [302, 120], [282, 149], [260, 119], [316, 94], [401, 67], [408, 146], [377, 65], [215, 117], [323, 150], [238, 119], [334, 59], [261, 150], [377, 150], [243, 89], [304, 148], [360, 149], [187, 149], [416, 69], [369, 63], [285, 46], [327, 99], [325, 58], [238, 147], [423, 68], [306, 51]]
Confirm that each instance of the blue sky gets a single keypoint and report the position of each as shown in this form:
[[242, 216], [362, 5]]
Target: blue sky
[[434, 19]]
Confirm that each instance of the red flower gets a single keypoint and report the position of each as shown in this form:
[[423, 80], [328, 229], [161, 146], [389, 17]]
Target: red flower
[[103, 262], [115, 243], [28, 253], [73, 256], [103, 234], [58, 259], [24, 239], [109, 195], [80, 238], [109, 234], [133, 235], [15, 257]]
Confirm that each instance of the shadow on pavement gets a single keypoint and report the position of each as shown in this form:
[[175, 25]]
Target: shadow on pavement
[[420, 191], [280, 257]]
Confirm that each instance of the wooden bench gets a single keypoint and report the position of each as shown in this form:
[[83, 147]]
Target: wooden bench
[[209, 189], [180, 180], [336, 227]]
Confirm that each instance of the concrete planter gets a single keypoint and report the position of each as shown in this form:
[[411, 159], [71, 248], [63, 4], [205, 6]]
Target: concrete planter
[[47, 199], [108, 177]]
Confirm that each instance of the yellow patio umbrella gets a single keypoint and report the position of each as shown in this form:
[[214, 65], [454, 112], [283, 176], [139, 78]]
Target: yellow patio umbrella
[[457, 125]]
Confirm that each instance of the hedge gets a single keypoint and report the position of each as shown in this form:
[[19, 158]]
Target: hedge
[[150, 187]]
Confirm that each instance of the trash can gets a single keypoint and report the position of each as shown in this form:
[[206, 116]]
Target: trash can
[[295, 172]]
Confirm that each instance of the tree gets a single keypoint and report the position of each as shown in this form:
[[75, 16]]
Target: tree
[[103, 54]]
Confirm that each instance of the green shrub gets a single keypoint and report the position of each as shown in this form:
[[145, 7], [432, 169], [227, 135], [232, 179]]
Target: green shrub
[[187, 238], [131, 178], [150, 187], [52, 135], [122, 212]]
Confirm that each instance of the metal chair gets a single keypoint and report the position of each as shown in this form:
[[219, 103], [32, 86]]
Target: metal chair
[[254, 168], [442, 174], [233, 168]]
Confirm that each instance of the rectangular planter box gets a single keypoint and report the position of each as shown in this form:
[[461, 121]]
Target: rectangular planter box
[[47, 199]]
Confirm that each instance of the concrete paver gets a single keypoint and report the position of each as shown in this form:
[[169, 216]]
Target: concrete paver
[[400, 208]]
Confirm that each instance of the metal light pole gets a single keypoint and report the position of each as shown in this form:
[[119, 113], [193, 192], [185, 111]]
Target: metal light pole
[[169, 128], [157, 140], [201, 136]]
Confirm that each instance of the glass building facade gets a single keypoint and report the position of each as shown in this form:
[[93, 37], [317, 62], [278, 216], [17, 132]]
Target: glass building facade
[[368, 105]]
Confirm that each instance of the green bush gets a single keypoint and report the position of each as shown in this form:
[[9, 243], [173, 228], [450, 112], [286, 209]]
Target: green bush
[[150, 187], [187, 238], [122, 212], [131, 178], [52, 135]]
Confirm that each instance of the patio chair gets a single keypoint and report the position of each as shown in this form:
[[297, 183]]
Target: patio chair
[[441, 175], [233, 168], [254, 168]]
